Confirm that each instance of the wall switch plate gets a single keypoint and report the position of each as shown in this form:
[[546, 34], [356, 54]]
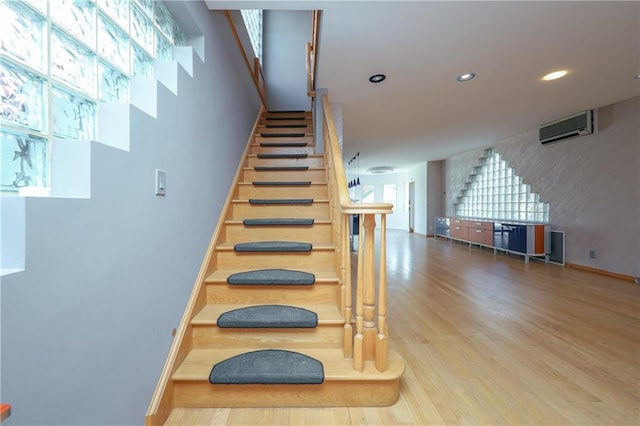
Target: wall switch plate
[[161, 182]]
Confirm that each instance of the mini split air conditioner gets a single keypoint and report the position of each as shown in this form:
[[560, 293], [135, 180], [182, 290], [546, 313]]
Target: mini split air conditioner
[[579, 124]]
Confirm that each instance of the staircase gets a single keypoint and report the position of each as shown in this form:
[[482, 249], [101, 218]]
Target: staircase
[[265, 326]]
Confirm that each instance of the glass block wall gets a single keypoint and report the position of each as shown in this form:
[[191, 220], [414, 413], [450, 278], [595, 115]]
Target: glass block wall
[[496, 192], [253, 21], [58, 59]]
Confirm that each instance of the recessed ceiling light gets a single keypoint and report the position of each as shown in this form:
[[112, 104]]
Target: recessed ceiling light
[[555, 75], [637, 76], [377, 78], [466, 77]]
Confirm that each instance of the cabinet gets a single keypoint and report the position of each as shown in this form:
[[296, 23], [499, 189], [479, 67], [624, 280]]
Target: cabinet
[[528, 239], [442, 227]]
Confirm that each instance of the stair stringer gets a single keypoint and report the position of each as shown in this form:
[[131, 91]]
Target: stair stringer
[[162, 401]]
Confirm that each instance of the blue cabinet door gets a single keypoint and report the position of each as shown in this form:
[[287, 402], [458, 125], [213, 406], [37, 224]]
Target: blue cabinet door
[[518, 238]]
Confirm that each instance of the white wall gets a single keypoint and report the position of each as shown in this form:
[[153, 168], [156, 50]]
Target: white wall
[[86, 327], [285, 36], [399, 219], [592, 184]]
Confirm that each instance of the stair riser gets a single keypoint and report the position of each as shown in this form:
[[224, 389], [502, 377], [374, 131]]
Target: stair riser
[[317, 210], [257, 149], [288, 295], [332, 393], [251, 175], [316, 233], [313, 161], [232, 260], [246, 192], [213, 337]]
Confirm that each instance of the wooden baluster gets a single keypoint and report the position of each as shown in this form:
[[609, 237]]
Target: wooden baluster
[[346, 279], [382, 342], [358, 340], [369, 309]]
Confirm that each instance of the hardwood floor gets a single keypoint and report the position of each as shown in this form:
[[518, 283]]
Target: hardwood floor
[[491, 340]]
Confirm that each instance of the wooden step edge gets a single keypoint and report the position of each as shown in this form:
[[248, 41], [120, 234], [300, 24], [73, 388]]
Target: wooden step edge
[[328, 314], [246, 183], [323, 276], [309, 169], [296, 159], [315, 247], [243, 201], [234, 222]]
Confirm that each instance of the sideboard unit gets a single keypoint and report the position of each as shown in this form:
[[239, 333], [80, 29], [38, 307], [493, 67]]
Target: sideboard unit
[[527, 239]]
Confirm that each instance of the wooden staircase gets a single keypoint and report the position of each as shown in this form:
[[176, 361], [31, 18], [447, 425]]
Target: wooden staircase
[[281, 181]]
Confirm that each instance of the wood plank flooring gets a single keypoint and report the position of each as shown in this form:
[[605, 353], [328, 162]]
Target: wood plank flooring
[[490, 340]]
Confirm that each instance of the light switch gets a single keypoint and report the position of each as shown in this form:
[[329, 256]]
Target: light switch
[[161, 182]]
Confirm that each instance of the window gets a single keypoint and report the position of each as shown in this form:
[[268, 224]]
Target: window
[[389, 194], [253, 21], [496, 192], [96, 47], [368, 193]]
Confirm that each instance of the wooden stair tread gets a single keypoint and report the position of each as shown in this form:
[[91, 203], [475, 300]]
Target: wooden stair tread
[[328, 314], [316, 222], [317, 246], [197, 364], [243, 201], [220, 275]]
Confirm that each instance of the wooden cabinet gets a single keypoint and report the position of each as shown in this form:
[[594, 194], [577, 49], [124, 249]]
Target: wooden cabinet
[[481, 233], [528, 239]]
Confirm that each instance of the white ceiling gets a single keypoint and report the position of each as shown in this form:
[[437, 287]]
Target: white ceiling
[[421, 113]]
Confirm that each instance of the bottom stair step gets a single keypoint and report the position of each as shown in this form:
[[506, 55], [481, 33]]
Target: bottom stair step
[[342, 386], [268, 316], [270, 366]]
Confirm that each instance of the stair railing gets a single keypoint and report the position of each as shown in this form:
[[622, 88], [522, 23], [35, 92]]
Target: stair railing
[[369, 339]]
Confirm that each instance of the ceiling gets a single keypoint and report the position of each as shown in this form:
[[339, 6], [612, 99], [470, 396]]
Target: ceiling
[[421, 113]]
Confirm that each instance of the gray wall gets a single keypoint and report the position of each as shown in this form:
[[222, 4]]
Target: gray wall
[[86, 327], [592, 184], [418, 175], [435, 194], [285, 34]]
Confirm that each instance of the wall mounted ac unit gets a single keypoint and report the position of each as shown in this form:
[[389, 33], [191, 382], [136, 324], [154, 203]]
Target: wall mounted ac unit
[[579, 124]]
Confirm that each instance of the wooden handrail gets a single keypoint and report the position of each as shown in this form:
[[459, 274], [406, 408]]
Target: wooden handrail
[[256, 71], [347, 206], [369, 341]]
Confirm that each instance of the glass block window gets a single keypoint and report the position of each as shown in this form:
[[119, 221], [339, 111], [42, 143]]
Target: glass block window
[[496, 192], [97, 47], [253, 21]]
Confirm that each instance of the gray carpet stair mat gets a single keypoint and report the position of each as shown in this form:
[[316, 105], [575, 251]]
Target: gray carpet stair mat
[[283, 144], [268, 316], [281, 183], [272, 247], [282, 135], [272, 277], [280, 201], [286, 111], [278, 221], [268, 367], [280, 168], [286, 126], [281, 156]]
